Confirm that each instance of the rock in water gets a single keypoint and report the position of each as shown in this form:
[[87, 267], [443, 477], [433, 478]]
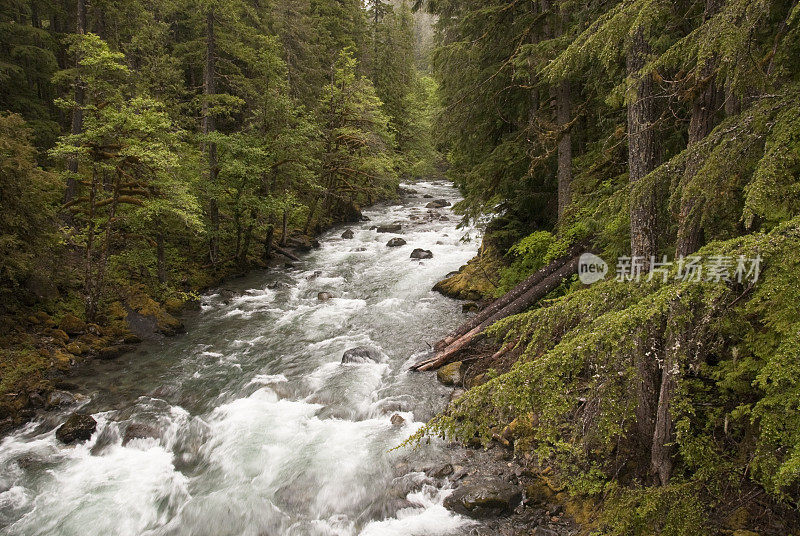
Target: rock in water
[[439, 203], [422, 254], [396, 243], [450, 374], [79, 427], [324, 296], [60, 398], [441, 472], [348, 234], [362, 354], [392, 228], [139, 431], [492, 497], [398, 420]]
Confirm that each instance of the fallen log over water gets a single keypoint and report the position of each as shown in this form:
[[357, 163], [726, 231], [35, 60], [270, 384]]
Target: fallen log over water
[[510, 297], [525, 295]]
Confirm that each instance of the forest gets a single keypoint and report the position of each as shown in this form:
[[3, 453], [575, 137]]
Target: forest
[[151, 149]]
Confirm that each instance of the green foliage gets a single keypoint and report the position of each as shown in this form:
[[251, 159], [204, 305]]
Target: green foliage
[[671, 510], [26, 195]]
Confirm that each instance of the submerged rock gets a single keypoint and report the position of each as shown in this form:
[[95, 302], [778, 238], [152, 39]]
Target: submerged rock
[[450, 374], [325, 296], [396, 243], [422, 254], [469, 307], [391, 228], [302, 243], [79, 427], [60, 398], [439, 203], [139, 431], [441, 471], [492, 497], [348, 234], [113, 352], [361, 354]]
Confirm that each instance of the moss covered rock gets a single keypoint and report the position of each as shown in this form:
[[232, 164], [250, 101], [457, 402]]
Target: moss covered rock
[[472, 281], [72, 325], [450, 374]]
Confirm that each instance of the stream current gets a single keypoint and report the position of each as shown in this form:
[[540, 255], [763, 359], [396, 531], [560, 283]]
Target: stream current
[[260, 429]]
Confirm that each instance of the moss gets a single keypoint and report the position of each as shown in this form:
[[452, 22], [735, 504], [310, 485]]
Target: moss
[[477, 280], [737, 379], [21, 369]]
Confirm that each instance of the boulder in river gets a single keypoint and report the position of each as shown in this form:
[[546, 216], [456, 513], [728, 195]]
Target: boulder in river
[[390, 228], [450, 374], [325, 296], [492, 497], [79, 427], [439, 203], [348, 234], [302, 242], [422, 254], [398, 420], [361, 354], [396, 243]]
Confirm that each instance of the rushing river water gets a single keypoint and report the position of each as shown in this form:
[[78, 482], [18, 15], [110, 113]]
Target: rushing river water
[[261, 430]]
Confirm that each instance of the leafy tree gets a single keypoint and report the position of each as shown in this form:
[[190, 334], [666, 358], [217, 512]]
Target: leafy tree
[[357, 158], [128, 157], [27, 195]]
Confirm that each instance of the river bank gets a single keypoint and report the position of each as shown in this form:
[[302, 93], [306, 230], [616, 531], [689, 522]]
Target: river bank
[[44, 342], [250, 422]]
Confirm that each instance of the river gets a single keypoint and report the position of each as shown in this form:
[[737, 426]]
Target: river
[[261, 430]]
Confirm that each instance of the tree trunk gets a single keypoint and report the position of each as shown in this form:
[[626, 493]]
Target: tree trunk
[[285, 228], [76, 126], [209, 126], [563, 117], [704, 108], [88, 276], [647, 388], [690, 235], [641, 149], [268, 242]]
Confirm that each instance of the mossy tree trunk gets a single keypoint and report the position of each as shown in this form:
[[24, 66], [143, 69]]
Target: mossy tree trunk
[[642, 155]]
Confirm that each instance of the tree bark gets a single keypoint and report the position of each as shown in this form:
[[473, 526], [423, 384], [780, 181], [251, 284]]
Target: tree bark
[[641, 148], [704, 108], [563, 118], [209, 126]]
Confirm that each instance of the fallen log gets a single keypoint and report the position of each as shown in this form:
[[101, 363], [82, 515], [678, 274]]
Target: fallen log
[[286, 254], [509, 297], [517, 306]]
